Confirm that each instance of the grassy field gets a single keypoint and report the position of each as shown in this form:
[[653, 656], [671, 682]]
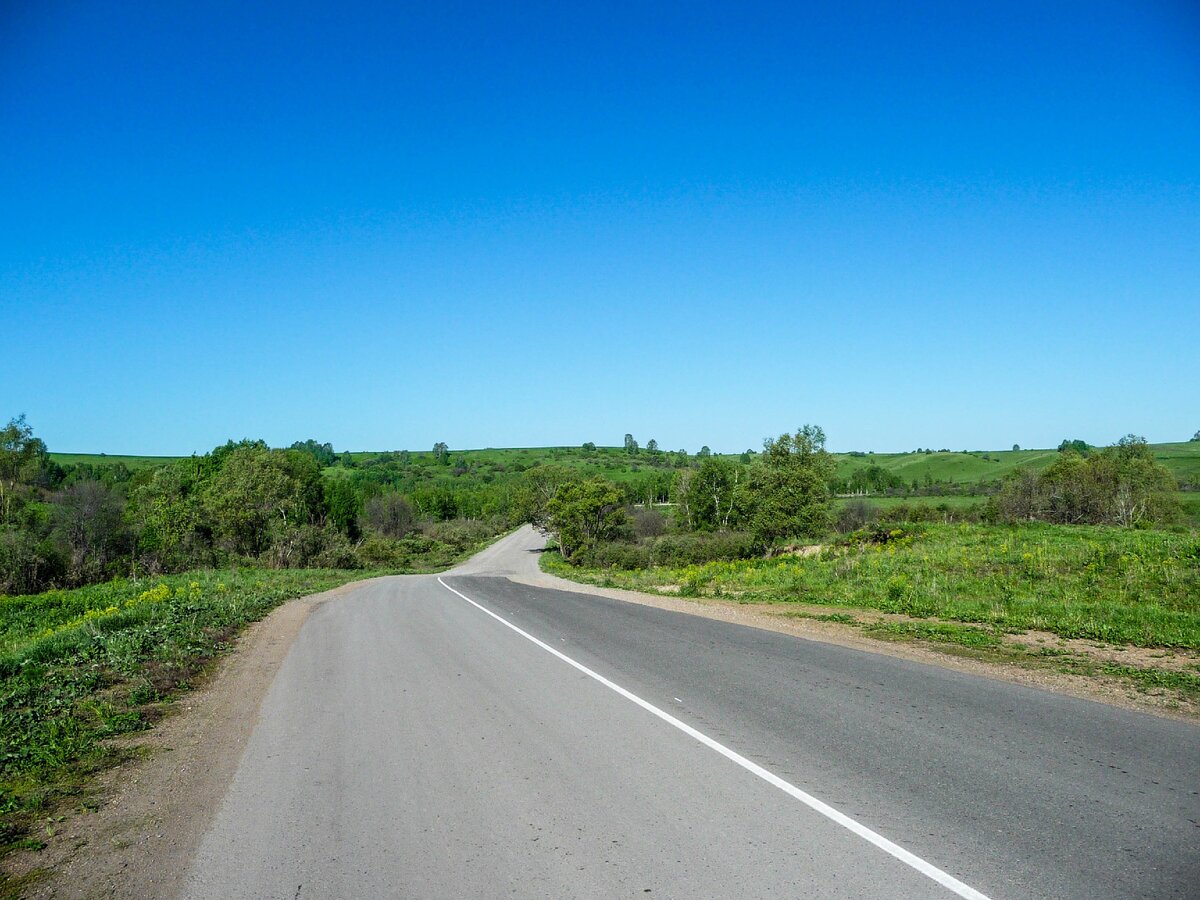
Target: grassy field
[[1182, 459], [104, 459], [1120, 587]]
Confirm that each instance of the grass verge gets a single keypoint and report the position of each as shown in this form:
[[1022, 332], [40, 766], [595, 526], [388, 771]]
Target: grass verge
[[80, 667]]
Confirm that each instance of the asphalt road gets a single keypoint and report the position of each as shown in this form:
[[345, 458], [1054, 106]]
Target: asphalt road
[[412, 745]]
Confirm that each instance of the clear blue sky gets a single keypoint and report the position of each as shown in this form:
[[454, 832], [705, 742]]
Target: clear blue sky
[[954, 225]]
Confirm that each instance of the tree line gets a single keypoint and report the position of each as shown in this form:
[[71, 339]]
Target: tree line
[[307, 505]]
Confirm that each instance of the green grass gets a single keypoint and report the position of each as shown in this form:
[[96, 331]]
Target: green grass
[[103, 459], [962, 468], [955, 467], [1140, 588], [953, 501], [79, 667], [1181, 459]]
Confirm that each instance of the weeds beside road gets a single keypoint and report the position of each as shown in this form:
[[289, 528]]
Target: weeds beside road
[[80, 667]]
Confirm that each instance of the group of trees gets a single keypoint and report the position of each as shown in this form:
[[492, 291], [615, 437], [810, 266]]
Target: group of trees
[[654, 454], [872, 479], [1119, 485], [783, 492], [63, 526], [241, 501]]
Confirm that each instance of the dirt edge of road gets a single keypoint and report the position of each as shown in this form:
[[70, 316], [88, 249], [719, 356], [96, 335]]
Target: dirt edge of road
[[143, 819]]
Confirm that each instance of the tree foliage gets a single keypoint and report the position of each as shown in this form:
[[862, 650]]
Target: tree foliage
[[530, 500], [790, 486], [89, 520], [715, 495], [256, 489], [584, 513], [22, 460], [390, 515], [322, 453], [1074, 446], [1120, 485], [343, 505]]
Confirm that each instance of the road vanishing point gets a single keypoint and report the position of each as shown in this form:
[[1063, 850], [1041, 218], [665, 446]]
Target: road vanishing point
[[471, 735]]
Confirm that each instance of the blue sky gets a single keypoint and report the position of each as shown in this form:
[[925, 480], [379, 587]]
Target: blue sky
[[949, 225]]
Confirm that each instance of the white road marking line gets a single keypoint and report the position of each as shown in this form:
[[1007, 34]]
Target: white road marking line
[[910, 859]]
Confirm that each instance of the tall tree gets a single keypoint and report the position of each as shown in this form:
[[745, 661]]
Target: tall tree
[[167, 513], [790, 486], [89, 518], [530, 501], [344, 505], [583, 513], [22, 457], [713, 497], [256, 489]]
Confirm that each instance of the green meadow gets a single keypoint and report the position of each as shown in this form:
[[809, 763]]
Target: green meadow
[[1119, 586], [954, 467]]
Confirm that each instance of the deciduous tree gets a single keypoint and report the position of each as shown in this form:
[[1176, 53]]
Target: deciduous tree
[[22, 457], [583, 513], [790, 486]]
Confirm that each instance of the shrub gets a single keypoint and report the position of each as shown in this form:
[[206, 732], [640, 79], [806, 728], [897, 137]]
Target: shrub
[[1120, 485], [616, 555], [675, 550], [389, 515], [647, 523], [309, 546], [28, 565], [884, 533], [855, 515], [381, 553], [462, 534]]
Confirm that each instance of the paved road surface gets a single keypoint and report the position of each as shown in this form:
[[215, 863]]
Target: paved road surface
[[414, 746]]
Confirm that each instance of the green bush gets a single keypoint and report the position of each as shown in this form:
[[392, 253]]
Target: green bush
[[463, 534], [616, 555], [699, 548]]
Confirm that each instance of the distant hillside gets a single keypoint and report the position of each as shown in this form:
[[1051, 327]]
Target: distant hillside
[[1182, 459], [105, 459], [959, 468]]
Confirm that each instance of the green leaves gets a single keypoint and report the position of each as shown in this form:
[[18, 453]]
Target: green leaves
[[583, 513], [790, 486]]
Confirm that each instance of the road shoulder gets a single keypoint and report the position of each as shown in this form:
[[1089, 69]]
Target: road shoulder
[[135, 832]]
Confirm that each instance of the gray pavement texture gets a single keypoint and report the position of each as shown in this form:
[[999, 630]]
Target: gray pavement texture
[[412, 746]]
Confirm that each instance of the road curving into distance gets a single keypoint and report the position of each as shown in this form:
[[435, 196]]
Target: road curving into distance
[[475, 736]]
